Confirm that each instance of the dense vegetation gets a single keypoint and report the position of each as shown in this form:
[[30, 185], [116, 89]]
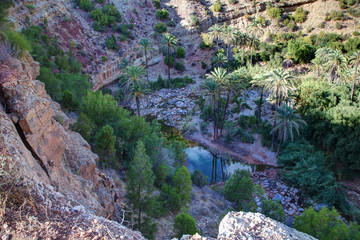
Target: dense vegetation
[[314, 123]]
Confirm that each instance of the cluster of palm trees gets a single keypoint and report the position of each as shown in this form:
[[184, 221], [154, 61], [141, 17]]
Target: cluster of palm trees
[[135, 84], [236, 39], [279, 85], [339, 67]]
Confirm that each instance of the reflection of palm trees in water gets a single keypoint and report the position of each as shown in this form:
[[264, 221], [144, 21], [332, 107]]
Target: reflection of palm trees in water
[[214, 173]]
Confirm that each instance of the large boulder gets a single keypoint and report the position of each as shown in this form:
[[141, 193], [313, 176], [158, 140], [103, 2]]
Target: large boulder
[[248, 225]]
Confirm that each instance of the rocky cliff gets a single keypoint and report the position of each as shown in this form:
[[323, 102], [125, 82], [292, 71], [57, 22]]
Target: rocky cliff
[[50, 153]]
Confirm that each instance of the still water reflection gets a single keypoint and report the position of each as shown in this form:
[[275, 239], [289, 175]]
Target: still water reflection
[[215, 167]]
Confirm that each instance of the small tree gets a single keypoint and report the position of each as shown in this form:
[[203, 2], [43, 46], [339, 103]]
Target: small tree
[[183, 184], [140, 186], [105, 144], [184, 224]]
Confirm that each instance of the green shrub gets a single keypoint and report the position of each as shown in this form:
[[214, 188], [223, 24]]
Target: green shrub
[[301, 51], [355, 12], [336, 15], [273, 210], [194, 20], [203, 65], [160, 27], [321, 25], [99, 27], [86, 5], [100, 1], [179, 66], [240, 189], [169, 61], [356, 33], [232, 1], [170, 198], [198, 178], [274, 12], [96, 14], [180, 52], [18, 42], [338, 25], [300, 15], [184, 224], [162, 14], [104, 58], [157, 3], [111, 43], [111, 10], [326, 224], [216, 7], [261, 20]]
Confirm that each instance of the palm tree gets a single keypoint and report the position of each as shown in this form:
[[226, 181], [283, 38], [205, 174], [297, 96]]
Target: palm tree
[[145, 48], [134, 75], [286, 122], [228, 37], [317, 63], [259, 80], [215, 33], [138, 90], [168, 44], [241, 40], [219, 59], [354, 57], [213, 88], [255, 31], [278, 83], [334, 62]]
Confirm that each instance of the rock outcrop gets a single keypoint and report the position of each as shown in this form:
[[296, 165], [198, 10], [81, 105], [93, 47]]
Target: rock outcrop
[[34, 129], [248, 225]]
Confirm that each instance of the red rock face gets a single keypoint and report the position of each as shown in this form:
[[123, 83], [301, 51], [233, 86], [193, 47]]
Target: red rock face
[[61, 157]]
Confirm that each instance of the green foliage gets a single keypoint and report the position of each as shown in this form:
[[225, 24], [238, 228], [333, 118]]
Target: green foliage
[[160, 27], [162, 14], [139, 189], [274, 12], [52, 84], [111, 43], [170, 198], [194, 20], [157, 4], [183, 184], [105, 145], [338, 25], [179, 66], [240, 189], [273, 210], [300, 15], [184, 224], [326, 224], [169, 61], [232, 1], [199, 179], [180, 52], [333, 122], [68, 100], [335, 15], [216, 7], [85, 127], [4, 6], [18, 42], [355, 12], [86, 5], [161, 172], [301, 51]]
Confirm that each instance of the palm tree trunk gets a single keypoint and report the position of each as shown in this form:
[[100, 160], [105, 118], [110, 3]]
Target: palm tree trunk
[[273, 134], [214, 109], [252, 47], [146, 65], [278, 150], [218, 116], [168, 56], [353, 85], [224, 113], [260, 103], [138, 105]]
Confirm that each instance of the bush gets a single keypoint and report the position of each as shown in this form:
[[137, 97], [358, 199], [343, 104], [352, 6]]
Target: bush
[[169, 61], [194, 20], [338, 25], [232, 1], [301, 51], [86, 5], [216, 7], [326, 224], [274, 12], [184, 224], [356, 33], [157, 4], [160, 27], [18, 42], [273, 210], [162, 14], [321, 25], [336, 15], [111, 43], [240, 189], [300, 15], [203, 65], [198, 178], [170, 198], [179, 66], [180, 52]]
